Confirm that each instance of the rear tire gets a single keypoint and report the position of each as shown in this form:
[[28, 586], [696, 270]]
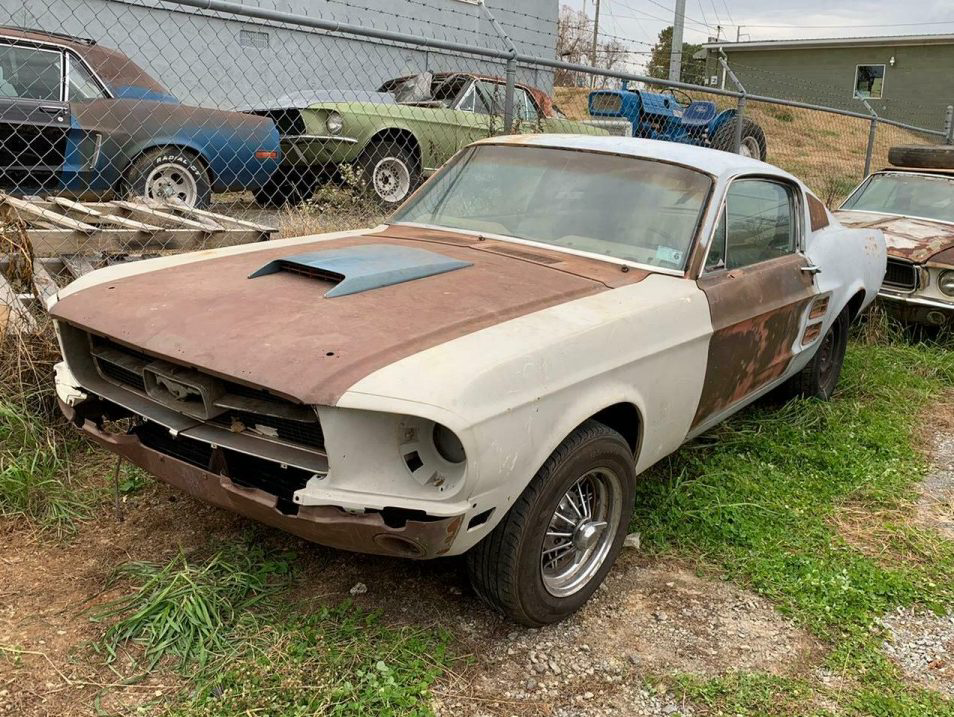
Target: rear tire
[[820, 377], [526, 568], [922, 156], [753, 139], [390, 172], [168, 173]]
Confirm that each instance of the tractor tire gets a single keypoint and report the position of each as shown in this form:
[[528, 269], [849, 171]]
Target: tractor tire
[[753, 139], [922, 156]]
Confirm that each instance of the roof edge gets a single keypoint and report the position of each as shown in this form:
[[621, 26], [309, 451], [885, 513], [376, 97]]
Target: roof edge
[[874, 41]]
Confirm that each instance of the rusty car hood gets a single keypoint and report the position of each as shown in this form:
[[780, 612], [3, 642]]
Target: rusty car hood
[[917, 240], [280, 332]]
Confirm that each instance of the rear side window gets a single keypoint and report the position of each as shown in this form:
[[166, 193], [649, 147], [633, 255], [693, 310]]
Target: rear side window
[[30, 73], [758, 224]]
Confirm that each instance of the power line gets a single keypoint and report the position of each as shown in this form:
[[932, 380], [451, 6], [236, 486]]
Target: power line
[[842, 25]]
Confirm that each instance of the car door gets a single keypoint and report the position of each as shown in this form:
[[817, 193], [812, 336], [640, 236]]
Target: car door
[[34, 116], [759, 285]]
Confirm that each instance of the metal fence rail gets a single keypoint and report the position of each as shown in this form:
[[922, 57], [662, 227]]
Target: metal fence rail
[[284, 109]]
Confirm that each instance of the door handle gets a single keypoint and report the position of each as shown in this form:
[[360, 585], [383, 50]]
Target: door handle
[[51, 109], [811, 269]]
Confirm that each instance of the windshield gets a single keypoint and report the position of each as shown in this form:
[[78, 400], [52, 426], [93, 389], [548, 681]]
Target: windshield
[[912, 195], [628, 208]]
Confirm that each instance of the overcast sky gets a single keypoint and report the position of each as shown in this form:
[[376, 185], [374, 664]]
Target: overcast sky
[[639, 21]]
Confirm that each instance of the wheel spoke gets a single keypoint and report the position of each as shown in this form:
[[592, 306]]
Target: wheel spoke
[[558, 534]]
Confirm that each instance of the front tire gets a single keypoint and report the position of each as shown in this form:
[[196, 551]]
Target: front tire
[[169, 174], [558, 541], [390, 172], [753, 139]]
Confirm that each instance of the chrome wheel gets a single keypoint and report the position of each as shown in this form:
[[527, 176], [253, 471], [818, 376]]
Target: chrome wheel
[[750, 148], [170, 181], [581, 531], [392, 180]]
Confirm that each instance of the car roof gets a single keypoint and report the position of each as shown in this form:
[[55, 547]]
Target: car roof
[[113, 67], [711, 161]]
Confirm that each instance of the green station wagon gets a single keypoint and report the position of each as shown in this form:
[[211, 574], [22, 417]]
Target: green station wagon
[[398, 135]]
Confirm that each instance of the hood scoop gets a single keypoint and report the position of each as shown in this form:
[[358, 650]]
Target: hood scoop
[[364, 267]]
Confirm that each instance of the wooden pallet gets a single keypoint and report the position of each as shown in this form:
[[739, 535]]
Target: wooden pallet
[[62, 240], [62, 226]]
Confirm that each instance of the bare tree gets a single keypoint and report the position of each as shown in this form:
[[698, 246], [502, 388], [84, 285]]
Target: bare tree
[[575, 44]]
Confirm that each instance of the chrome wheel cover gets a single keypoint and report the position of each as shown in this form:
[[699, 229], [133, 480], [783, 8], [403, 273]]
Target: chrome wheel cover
[[750, 148], [391, 179], [580, 533], [171, 181]]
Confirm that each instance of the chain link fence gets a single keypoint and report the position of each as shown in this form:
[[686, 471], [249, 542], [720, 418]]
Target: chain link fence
[[334, 118]]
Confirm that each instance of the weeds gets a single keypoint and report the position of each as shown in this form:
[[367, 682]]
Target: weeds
[[187, 610], [35, 473], [337, 661]]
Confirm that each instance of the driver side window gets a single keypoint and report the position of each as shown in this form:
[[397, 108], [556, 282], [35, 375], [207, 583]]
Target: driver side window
[[757, 224]]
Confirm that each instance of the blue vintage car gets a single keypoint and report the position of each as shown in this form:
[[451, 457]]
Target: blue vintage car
[[84, 121]]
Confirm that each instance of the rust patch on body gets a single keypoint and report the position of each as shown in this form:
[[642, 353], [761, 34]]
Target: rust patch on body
[[817, 213], [756, 317], [916, 240], [280, 333]]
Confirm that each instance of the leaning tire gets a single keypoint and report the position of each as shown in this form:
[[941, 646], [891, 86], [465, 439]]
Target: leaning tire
[[164, 174], [753, 138], [390, 172], [922, 157], [524, 568], [820, 377]]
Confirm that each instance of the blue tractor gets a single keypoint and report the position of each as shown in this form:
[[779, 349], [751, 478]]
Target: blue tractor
[[673, 116]]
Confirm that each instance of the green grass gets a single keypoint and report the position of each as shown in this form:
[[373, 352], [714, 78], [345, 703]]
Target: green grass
[[758, 500], [35, 473], [186, 609], [333, 661]]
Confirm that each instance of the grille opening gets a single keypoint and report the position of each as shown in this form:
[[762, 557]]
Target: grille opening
[[901, 275], [243, 470], [306, 433]]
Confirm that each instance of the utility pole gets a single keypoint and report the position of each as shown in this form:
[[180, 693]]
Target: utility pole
[[738, 33], [675, 54], [596, 41]]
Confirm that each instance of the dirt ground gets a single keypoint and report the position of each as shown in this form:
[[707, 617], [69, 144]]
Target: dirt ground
[[650, 619]]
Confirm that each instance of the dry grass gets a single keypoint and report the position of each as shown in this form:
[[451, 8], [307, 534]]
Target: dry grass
[[826, 151]]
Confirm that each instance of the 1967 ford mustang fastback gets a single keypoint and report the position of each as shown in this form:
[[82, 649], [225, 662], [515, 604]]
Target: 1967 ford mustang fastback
[[488, 373]]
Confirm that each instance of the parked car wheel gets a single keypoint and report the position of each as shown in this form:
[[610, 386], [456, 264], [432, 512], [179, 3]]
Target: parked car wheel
[[559, 539], [390, 172], [753, 139], [287, 187], [820, 377], [922, 157], [167, 174]]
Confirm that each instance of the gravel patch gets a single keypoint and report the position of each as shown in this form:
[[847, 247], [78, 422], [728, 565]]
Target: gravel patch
[[935, 508], [922, 644]]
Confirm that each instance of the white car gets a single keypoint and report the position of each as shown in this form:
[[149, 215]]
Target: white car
[[489, 373]]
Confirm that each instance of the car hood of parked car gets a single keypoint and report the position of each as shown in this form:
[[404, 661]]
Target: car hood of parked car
[[279, 330], [917, 240]]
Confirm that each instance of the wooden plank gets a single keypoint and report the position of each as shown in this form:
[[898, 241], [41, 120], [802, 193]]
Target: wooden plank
[[178, 209], [55, 242], [47, 215], [77, 265], [43, 284], [13, 313], [104, 217], [178, 221], [225, 219]]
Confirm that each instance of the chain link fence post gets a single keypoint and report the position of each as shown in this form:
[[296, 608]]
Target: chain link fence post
[[511, 67], [872, 136], [740, 106], [949, 125]]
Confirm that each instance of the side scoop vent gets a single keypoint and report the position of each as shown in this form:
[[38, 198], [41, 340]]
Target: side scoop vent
[[364, 267]]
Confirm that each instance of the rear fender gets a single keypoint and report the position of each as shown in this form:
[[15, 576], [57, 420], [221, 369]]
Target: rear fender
[[721, 119]]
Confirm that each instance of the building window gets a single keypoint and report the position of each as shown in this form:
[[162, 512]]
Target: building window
[[252, 38], [869, 81]]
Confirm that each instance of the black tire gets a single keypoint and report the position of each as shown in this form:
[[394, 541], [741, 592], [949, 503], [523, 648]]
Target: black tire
[[287, 187], [405, 173], [922, 157], [820, 377], [177, 166], [506, 568], [724, 137]]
